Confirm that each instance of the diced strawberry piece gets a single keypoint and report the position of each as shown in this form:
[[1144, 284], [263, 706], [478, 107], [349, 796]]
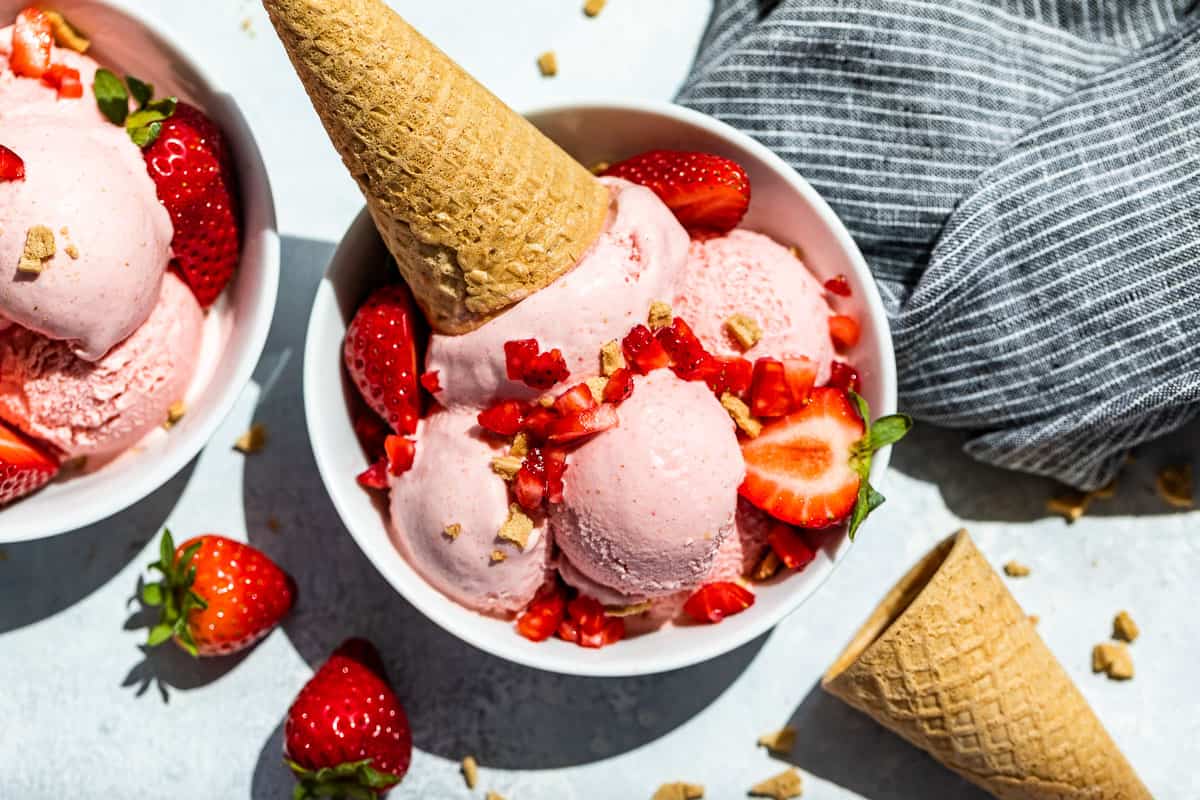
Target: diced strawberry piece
[[798, 469], [845, 377], [770, 393], [32, 40], [568, 631], [731, 375], [371, 431], [844, 331], [431, 382], [619, 386], [611, 631], [575, 400], [503, 418], [586, 423], [380, 354], [643, 351], [24, 466], [689, 360], [546, 370], [543, 615], [556, 466], [838, 285], [12, 166], [375, 476], [529, 488], [705, 192], [587, 626], [801, 376], [517, 356], [714, 602], [585, 611], [400, 453], [538, 422], [65, 79], [790, 546]]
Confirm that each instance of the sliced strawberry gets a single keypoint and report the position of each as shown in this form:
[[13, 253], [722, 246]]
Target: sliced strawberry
[[770, 392], [431, 382], [400, 454], [32, 40], [586, 423], [517, 356], [689, 360], [371, 431], [555, 459], [845, 377], [643, 351], [731, 375], [575, 400], [12, 166], [838, 285], [705, 192], [65, 79], [790, 546], [24, 467], [714, 602], [844, 331], [542, 616], [503, 418], [380, 353], [801, 376], [619, 387], [375, 476]]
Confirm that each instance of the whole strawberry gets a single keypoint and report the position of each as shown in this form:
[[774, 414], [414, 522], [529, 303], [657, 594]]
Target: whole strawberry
[[380, 352], [218, 596], [346, 734], [707, 193]]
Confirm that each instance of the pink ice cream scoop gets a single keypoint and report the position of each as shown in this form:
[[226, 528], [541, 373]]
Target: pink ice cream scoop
[[637, 260], [88, 408], [451, 483], [647, 504], [748, 273]]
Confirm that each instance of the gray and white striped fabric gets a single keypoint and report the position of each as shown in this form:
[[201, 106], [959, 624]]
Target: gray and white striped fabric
[[1023, 177]]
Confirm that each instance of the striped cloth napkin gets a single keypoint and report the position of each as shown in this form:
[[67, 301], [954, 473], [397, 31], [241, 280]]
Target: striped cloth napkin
[[1023, 177]]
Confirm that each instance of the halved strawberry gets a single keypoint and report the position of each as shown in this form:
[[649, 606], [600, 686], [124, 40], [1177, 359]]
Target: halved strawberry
[[810, 468], [380, 353], [32, 40], [714, 602], [583, 424], [575, 400], [541, 618], [844, 331], [790, 546], [643, 351], [503, 418], [12, 166], [619, 387], [24, 467], [705, 192]]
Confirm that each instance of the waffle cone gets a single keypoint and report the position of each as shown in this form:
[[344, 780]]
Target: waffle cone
[[478, 208], [950, 662]]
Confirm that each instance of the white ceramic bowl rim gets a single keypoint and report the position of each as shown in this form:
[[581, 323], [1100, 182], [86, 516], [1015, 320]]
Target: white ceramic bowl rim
[[442, 611]]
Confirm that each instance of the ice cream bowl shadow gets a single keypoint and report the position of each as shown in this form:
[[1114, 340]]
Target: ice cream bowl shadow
[[784, 206], [127, 41]]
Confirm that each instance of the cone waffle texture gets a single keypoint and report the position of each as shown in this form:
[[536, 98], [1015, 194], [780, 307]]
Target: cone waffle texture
[[479, 208], [950, 662]]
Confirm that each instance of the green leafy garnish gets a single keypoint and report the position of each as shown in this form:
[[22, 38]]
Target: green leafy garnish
[[141, 91], [174, 594], [143, 125], [111, 96], [883, 432]]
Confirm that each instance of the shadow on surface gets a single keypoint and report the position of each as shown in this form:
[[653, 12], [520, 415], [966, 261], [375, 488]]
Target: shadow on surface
[[42, 577], [459, 699], [272, 779], [878, 766]]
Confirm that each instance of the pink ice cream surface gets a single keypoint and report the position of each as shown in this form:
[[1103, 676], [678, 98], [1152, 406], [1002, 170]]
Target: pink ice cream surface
[[102, 407], [637, 260], [647, 504], [748, 273], [82, 175], [451, 482]]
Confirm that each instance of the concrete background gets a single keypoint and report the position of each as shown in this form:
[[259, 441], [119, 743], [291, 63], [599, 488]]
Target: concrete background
[[85, 713]]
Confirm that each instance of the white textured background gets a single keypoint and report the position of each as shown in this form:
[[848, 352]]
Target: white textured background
[[84, 713]]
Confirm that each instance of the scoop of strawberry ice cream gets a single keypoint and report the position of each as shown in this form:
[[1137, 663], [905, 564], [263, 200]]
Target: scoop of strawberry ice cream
[[647, 504], [748, 273], [451, 483], [86, 408], [637, 260]]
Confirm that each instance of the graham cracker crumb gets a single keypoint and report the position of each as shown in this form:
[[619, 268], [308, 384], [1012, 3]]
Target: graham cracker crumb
[[452, 531], [1124, 628], [783, 786], [740, 413], [175, 413], [274, 524], [516, 528], [600, 167], [248, 27], [72, 251], [548, 64], [611, 358], [1035, 619], [1113, 660], [744, 329], [780, 741], [76, 464], [1015, 569], [627, 611], [660, 315], [796, 252], [593, 7], [39, 246], [520, 446], [767, 567], [1106, 492], [470, 771], [493, 796], [506, 467], [253, 440], [1070, 504], [596, 385], [65, 34], [1175, 485], [498, 556], [64, 230], [679, 791]]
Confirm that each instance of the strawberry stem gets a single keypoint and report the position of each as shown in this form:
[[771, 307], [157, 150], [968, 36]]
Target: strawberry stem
[[355, 780], [883, 432], [174, 594]]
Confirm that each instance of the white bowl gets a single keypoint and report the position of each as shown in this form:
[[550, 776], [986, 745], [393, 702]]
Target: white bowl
[[783, 206], [127, 41]]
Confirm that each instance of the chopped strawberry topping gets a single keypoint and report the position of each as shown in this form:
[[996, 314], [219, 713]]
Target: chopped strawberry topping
[[430, 382], [537, 423], [575, 400], [770, 393], [32, 40], [790, 546], [845, 377], [801, 376], [12, 167], [731, 375], [371, 431], [583, 424], [65, 79], [844, 331], [838, 285], [619, 386], [503, 418], [400, 453], [524, 362], [556, 466], [542, 616], [530, 486], [587, 626], [714, 602], [375, 476], [689, 360], [517, 356], [643, 351]]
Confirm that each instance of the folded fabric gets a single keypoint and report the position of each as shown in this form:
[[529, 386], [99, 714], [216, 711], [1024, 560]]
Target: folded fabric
[[1023, 177]]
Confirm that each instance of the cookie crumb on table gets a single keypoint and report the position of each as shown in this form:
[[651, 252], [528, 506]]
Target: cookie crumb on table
[[783, 786], [780, 741], [679, 791], [1124, 628], [1113, 659], [1175, 485], [253, 440], [1015, 569], [548, 64], [493, 796], [745, 330], [470, 771], [593, 7]]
